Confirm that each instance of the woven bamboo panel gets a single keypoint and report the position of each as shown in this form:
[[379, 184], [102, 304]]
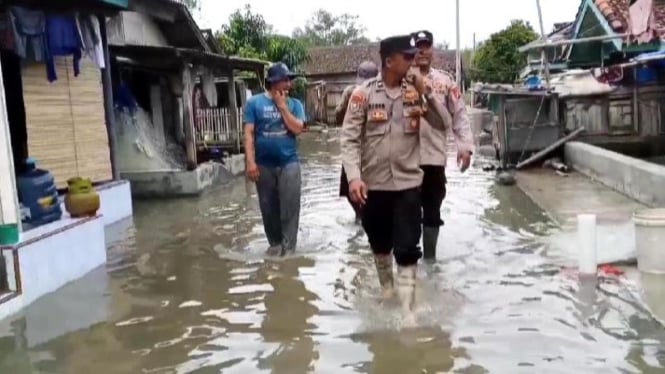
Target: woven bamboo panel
[[49, 121], [94, 159], [65, 120]]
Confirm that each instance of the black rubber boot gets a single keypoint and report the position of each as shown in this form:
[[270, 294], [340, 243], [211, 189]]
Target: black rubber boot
[[430, 238]]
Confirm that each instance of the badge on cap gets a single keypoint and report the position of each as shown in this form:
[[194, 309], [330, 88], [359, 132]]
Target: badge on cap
[[422, 35], [412, 42]]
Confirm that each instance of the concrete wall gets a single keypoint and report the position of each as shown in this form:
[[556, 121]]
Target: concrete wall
[[638, 179], [174, 183], [116, 202], [80, 245], [51, 256]]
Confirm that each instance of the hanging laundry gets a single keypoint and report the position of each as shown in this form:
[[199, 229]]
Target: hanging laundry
[[124, 98], [92, 40], [64, 39], [29, 29]]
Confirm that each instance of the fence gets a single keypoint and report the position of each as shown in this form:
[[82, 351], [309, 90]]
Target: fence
[[215, 128]]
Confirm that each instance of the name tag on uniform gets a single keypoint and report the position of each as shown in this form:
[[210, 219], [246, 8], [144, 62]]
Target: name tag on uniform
[[377, 112], [378, 116]]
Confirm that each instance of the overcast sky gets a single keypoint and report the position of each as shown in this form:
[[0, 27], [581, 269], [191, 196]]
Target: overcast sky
[[482, 17]]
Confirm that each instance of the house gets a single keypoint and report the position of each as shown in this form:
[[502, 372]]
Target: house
[[330, 69], [615, 90], [557, 57], [168, 71], [59, 114]]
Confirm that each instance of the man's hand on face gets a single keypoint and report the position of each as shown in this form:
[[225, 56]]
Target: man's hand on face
[[416, 78], [280, 99]]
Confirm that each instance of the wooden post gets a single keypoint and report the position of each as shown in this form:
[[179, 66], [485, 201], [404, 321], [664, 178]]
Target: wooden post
[[188, 117], [543, 52], [107, 86], [233, 109], [260, 74]]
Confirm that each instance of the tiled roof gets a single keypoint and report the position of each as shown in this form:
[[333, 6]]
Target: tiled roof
[[617, 14], [345, 59]]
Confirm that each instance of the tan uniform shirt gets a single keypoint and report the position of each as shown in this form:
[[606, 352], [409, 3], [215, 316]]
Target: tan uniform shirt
[[433, 142], [340, 110], [380, 136]]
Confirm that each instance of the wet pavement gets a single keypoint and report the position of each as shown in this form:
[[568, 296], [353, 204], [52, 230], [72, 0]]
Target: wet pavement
[[188, 290]]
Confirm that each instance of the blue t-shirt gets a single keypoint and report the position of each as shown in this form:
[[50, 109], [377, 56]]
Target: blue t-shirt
[[275, 146]]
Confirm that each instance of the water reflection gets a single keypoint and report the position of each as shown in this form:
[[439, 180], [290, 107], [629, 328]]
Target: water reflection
[[286, 322], [188, 290]]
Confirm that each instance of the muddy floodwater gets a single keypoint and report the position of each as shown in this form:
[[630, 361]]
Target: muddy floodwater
[[187, 289]]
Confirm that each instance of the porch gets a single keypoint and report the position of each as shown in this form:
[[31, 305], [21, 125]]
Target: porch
[[192, 100], [219, 128]]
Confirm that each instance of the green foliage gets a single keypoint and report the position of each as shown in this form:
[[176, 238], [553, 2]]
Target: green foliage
[[290, 51], [326, 29], [497, 60], [193, 5], [249, 35], [246, 34], [299, 88]]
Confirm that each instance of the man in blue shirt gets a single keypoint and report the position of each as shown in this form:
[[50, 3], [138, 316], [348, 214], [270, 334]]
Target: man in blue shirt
[[273, 120]]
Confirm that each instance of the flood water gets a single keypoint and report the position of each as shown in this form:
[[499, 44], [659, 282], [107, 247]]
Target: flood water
[[188, 290]]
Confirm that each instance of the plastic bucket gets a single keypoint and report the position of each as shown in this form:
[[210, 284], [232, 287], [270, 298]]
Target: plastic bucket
[[9, 234], [649, 239]]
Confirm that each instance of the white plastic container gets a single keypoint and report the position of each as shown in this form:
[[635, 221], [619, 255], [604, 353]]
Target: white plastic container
[[650, 240], [586, 233]]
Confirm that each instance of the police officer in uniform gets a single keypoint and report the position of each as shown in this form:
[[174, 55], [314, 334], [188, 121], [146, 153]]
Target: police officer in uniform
[[433, 142], [381, 155], [366, 70]]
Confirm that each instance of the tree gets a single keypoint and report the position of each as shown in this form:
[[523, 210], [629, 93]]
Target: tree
[[497, 60], [290, 51], [193, 5], [327, 29], [249, 35], [246, 34]]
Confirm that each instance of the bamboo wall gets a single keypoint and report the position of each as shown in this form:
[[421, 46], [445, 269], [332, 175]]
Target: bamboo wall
[[65, 121]]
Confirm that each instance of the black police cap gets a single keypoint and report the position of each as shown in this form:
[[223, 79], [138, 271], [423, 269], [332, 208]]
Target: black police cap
[[423, 36], [398, 44]]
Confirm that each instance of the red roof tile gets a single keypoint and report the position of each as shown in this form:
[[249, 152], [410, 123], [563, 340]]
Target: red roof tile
[[345, 59], [617, 14]]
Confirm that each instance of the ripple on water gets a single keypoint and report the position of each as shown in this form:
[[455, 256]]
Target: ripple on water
[[495, 301]]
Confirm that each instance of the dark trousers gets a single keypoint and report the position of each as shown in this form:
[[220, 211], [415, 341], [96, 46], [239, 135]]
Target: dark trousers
[[433, 191], [344, 191], [279, 191], [392, 221]]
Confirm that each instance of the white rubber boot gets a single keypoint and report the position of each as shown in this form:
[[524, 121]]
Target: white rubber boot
[[384, 269], [406, 289]]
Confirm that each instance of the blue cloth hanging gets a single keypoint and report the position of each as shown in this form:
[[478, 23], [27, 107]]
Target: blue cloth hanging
[[64, 39], [124, 99]]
